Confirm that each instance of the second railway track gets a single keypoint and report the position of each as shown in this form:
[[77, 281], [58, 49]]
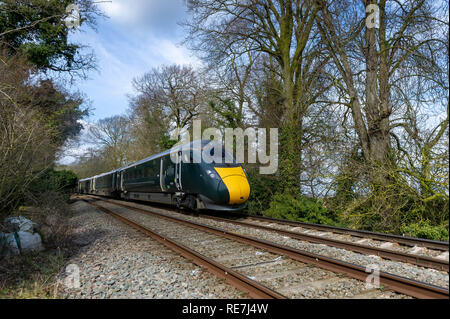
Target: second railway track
[[328, 265]]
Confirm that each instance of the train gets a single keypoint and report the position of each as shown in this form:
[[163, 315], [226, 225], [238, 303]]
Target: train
[[220, 185]]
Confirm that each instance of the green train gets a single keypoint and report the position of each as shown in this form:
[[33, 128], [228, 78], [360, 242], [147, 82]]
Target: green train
[[219, 185]]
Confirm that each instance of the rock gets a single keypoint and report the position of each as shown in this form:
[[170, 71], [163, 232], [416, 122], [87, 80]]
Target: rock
[[21, 232], [8, 244], [28, 242], [19, 223]]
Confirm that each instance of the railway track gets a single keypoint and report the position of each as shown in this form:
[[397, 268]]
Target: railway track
[[330, 266], [253, 288], [393, 252], [401, 240], [419, 260]]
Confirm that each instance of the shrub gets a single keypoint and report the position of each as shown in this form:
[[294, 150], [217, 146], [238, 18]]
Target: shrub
[[262, 189], [423, 229], [300, 208], [54, 181]]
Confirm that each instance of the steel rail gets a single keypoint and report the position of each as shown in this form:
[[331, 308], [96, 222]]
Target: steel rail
[[418, 260], [423, 261], [404, 240], [243, 283], [397, 283]]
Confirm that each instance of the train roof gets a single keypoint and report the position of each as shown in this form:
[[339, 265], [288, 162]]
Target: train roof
[[190, 145]]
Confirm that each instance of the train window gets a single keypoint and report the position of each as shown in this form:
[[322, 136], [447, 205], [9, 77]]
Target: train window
[[226, 160], [171, 170], [151, 169]]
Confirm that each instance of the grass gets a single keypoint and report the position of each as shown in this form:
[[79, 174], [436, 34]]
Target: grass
[[32, 276]]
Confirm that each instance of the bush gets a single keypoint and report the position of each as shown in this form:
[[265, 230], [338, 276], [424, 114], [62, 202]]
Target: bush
[[55, 181], [423, 229], [300, 208], [262, 189]]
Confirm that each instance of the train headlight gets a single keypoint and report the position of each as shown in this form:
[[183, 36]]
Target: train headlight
[[211, 174]]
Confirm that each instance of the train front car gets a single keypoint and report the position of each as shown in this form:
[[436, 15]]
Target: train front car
[[223, 183]]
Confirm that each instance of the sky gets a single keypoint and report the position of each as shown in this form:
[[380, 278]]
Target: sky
[[137, 36]]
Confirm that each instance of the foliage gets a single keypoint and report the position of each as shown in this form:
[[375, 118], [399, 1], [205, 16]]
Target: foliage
[[300, 208], [62, 111], [390, 208], [56, 181], [37, 29], [423, 229], [226, 115], [25, 142], [30, 276], [35, 120], [262, 189], [167, 143]]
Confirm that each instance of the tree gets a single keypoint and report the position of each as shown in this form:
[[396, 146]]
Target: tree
[[148, 127], [26, 146], [111, 136], [384, 53], [174, 92], [387, 76], [284, 31], [37, 29], [62, 110]]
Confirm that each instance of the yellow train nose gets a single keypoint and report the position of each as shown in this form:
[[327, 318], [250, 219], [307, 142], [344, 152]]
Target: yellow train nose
[[236, 182]]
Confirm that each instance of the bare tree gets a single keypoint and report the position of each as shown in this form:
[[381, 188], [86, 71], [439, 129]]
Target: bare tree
[[111, 136], [385, 77], [175, 90], [284, 31], [26, 145]]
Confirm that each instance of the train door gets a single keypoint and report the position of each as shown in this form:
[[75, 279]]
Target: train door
[[113, 182], [168, 172], [162, 181], [178, 172]]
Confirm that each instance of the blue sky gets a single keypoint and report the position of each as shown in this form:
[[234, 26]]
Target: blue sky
[[137, 36]]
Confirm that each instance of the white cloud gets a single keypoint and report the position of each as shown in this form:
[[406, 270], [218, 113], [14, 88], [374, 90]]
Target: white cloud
[[159, 15], [176, 54]]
